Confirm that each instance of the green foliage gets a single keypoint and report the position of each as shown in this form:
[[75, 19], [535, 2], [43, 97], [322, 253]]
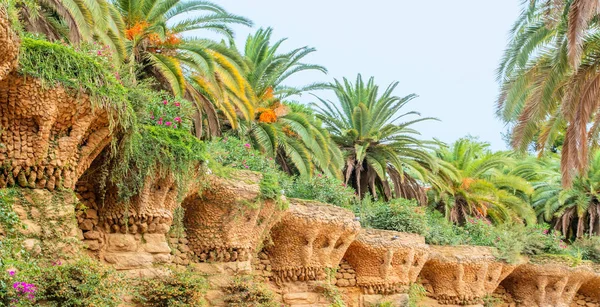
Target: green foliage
[[321, 188], [269, 186], [400, 215], [81, 283], [416, 293], [589, 247], [231, 152], [374, 142], [442, 231], [246, 292], [9, 220], [167, 112], [59, 64], [471, 182], [153, 150], [181, 288], [491, 301], [503, 237]]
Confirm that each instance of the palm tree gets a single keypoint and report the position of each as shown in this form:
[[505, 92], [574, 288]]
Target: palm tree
[[260, 111], [73, 21], [378, 149], [154, 38], [574, 211], [471, 181], [543, 93]]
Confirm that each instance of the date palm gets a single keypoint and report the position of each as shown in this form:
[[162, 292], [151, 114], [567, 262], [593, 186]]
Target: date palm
[[379, 150], [73, 21], [472, 181], [286, 132], [543, 93], [574, 211]]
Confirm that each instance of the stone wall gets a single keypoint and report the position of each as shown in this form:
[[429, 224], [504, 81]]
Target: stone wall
[[261, 265], [345, 275]]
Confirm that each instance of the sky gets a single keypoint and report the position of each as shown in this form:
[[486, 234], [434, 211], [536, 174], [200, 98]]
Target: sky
[[444, 51]]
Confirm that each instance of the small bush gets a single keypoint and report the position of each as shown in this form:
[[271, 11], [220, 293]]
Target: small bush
[[589, 247], [321, 188], [231, 152], [179, 289], [416, 293], [441, 231], [79, 284], [400, 215], [246, 292]]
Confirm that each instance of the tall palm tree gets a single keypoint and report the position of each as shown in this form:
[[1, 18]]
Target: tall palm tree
[[260, 112], [378, 149], [471, 181], [543, 94], [574, 211]]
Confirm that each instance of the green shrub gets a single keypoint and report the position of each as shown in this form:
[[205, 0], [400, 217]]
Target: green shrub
[[504, 238], [149, 150], [82, 283], [416, 293], [246, 292], [441, 231], [231, 152], [589, 247], [399, 215], [181, 288], [321, 188]]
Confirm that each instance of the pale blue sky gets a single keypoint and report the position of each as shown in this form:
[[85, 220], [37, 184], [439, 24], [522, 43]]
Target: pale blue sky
[[444, 51]]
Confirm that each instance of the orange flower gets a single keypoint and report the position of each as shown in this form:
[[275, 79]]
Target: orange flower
[[266, 115], [154, 39], [137, 29], [268, 93], [466, 183]]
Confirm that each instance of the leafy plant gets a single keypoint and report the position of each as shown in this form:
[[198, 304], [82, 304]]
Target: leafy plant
[[471, 182], [246, 292], [81, 283], [416, 293], [59, 64], [181, 288], [400, 215], [321, 188], [377, 148]]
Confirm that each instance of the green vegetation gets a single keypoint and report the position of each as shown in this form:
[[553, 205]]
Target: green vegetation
[[471, 181], [83, 282], [179, 289], [244, 291], [189, 105], [378, 150], [155, 151]]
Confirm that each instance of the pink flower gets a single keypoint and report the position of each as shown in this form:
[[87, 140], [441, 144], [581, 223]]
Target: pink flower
[[319, 175], [12, 272], [168, 124], [159, 122], [99, 52], [177, 119], [165, 102], [247, 145], [152, 116], [177, 104], [174, 126]]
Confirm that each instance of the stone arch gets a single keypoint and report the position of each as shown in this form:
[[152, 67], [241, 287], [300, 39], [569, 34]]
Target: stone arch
[[228, 220]]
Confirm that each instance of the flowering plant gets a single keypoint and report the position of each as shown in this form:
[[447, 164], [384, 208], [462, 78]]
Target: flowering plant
[[170, 113], [14, 292]]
